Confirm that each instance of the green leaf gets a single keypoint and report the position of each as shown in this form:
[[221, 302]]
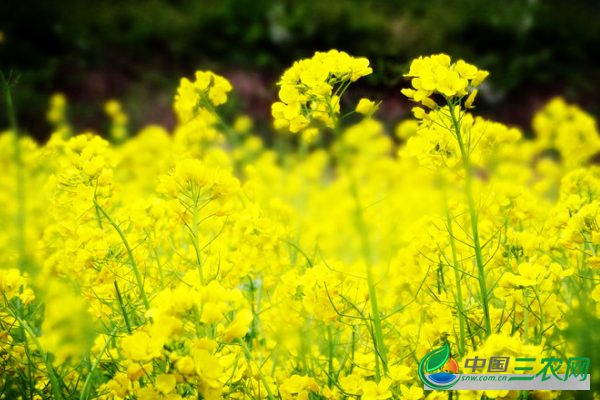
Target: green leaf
[[437, 358]]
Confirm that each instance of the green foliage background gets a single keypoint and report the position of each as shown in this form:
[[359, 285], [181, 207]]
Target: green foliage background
[[136, 51]]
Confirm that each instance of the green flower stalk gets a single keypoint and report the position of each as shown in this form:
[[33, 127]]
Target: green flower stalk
[[436, 74], [473, 215]]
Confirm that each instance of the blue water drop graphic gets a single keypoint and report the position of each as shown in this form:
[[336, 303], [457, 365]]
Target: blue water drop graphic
[[442, 377]]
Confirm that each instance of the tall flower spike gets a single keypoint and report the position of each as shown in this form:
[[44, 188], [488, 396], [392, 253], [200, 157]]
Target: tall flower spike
[[207, 91], [437, 75], [311, 88]]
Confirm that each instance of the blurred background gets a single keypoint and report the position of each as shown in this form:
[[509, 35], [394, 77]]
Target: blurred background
[[136, 52]]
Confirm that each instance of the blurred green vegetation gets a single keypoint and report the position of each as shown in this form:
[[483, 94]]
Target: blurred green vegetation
[[137, 51]]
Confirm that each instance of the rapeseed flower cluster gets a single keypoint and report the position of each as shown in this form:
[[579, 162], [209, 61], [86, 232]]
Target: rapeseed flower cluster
[[201, 263], [207, 91], [436, 74], [311, 89]]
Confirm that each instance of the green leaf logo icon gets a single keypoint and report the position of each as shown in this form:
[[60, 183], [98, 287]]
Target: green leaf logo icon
[[438, 358], [434, 361]]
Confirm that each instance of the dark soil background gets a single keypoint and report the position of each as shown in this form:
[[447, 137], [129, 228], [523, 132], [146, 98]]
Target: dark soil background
[[136, 51]]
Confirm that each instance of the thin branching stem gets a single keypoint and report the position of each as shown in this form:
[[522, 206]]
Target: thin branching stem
[[474, 217], [134, 265]]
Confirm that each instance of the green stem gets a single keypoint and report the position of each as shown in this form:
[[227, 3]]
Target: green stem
[[119, 297], [53, 379], [160, 271], [525, 318], [125, 317], [457, 277], [229, 132], [330, 346], [298, 248], [134, 266], [366, 249], [262, 376], [88, 380], [20, 181], [589, 273], [473, 214], [542, 322], [20, 178], [196, 244]]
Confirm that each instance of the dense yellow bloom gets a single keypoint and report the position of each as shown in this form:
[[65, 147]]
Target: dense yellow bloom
[[239, 326], [436, 74], [568, 129], [10, 282], [309, 89], [205, 92], [374, 391], [141, 347], [201, 264], [412, 393]]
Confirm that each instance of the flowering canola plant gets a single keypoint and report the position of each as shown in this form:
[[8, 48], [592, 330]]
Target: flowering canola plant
[[201, 263]]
